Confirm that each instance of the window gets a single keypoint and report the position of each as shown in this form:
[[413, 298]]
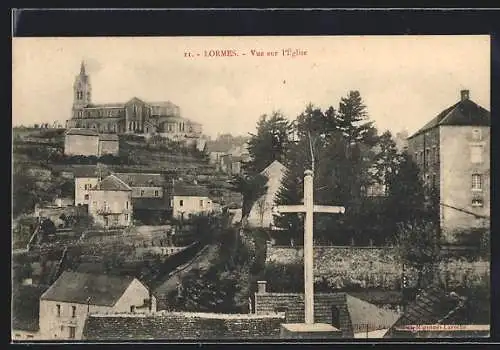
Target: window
[[58, 307], [476, 135], [73, 311], [86, 197], [476, 154], [132, 308], [62, 328], [476, 202], [427, 156], [156, 193], [126, 205], [477, 182], [72, 332], [416, 157], [126, 217], [201, 203], [181, 203], [142, 193]]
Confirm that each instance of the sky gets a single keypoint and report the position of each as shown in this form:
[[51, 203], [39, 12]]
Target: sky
[[404, 80]]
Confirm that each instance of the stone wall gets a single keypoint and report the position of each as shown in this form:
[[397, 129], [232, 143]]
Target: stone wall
[[373, 267], [183, 326]]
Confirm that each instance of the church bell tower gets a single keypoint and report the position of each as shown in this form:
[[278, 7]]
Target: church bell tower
[[81, 92]]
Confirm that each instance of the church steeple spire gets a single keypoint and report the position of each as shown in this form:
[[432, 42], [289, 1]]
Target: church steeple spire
[[82, 68]]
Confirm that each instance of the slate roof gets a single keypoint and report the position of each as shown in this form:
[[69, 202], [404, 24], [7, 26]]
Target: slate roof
[[176, 325], [431, 306], [82, 131], [463, 113], [189, 190], [88, 170], [108, 137], [26, 307], [112, 183], [77, 287], [141, 179], [151, 203], [355, 315]]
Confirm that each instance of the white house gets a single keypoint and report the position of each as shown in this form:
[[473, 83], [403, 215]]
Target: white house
[[64, 307], [110, 202], [86, 177], [261, 212], [189, 199]]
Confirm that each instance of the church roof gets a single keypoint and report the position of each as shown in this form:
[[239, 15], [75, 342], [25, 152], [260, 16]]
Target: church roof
[[82, 131], [106, 105], [77, 287], [463, 113], [112, 183]]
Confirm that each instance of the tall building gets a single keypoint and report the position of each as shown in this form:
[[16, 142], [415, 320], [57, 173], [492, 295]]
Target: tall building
[[135, 116], [453, 154]]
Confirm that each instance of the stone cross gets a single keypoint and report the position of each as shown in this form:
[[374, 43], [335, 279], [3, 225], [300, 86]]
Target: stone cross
[[309, 209]]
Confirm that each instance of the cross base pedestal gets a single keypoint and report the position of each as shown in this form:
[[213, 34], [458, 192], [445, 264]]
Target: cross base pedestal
[[309, 331]]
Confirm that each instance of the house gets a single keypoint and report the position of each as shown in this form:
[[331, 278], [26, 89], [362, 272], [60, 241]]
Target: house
[[356, 318], [84, 142], [87, 177], [189, 199], [452, 152], [108, 144], [25, 312], [110, 202], [149, 200], [261, 212], [182, 326], [434, 308], [88, 142], [65, 306]]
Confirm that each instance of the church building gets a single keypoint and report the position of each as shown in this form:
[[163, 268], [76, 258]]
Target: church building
[[133, 117]]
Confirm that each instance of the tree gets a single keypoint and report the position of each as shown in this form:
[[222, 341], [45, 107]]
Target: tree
[[352, 120], [386, 160], [270, 143], [406, 200], [417, 246]]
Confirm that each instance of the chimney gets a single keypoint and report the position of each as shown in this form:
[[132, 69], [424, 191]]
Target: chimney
[[261, 287], [464, 95]]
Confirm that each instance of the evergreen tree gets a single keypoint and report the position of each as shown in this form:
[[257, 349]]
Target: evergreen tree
[[406, 200], [270, 143]]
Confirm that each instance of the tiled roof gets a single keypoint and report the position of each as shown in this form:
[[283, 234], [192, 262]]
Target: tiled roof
[[181, 326], [431, 306], [26, 307], [183, 189], [108, 137], [112, 183], [76, 287], [82, 131], [355, 315], [151, 203], [141, 179], [465, 112], [89, 170]]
